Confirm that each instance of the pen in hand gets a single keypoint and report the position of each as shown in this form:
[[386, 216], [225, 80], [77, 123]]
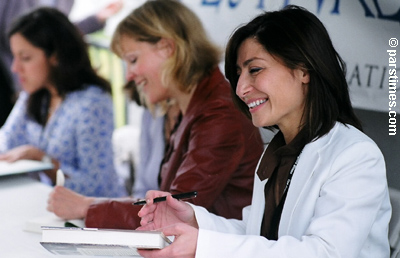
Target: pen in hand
[[60, 178], [181, 196]]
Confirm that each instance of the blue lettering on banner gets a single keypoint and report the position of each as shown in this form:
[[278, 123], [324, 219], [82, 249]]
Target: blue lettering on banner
[[211, 3], [231, 3], [368, 12], [376, 4]]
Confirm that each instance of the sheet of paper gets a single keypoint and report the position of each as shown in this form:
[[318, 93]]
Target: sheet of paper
[[50, 220], [23, 166]]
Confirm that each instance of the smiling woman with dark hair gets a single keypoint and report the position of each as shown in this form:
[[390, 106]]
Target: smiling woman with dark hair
[[320, 189], [65, 112]]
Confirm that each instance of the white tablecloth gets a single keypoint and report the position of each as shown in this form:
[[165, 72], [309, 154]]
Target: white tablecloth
[[21, 199]]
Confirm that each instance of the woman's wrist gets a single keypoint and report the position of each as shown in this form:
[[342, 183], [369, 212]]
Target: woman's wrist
[[87, 202]]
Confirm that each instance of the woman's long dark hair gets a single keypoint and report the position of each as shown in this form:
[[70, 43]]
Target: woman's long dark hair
[[51, 31], [300, 40]]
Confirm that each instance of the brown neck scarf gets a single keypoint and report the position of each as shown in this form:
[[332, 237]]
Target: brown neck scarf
[[276, 165]]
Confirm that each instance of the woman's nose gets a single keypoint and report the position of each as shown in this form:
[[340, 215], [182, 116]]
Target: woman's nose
[[130, 75], [243, 87], [14, 66]]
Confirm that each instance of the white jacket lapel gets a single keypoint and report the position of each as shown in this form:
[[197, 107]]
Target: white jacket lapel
[[308, 163]]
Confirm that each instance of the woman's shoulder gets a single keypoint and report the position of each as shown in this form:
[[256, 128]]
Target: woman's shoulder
[[344, 136], [90, 93], [88, 100], [345, 133], [214, 95]]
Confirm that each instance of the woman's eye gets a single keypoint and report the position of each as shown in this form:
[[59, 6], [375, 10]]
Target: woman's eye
[[25, 58], [254, 70], [130, 59]]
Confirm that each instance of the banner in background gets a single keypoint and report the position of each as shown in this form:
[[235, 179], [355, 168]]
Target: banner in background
[[364, 32]]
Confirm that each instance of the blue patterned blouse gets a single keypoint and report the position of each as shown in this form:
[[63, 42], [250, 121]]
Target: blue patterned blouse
[[78, 135]]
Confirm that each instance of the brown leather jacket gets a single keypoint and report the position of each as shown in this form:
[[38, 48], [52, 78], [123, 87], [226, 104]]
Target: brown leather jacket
[[214, 151]]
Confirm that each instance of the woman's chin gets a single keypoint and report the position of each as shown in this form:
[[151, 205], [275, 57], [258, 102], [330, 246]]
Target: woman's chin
[[258, 123]]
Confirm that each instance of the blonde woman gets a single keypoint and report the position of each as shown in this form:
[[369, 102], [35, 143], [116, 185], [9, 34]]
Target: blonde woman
[[213, 148]]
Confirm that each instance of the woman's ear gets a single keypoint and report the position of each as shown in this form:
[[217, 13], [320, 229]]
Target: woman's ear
[[166, 47], [305, 76], [53, 60]]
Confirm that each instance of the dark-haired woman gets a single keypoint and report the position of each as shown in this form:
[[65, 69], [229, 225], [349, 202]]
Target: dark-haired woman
[[320, 189], [65, 112]]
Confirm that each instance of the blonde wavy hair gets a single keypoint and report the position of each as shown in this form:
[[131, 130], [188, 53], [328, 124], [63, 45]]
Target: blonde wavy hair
[[194, 56]]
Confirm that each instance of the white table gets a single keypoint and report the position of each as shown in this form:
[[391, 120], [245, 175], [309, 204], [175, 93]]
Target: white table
[[21, 199]]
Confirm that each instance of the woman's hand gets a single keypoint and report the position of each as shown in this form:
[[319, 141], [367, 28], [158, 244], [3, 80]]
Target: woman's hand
[[184, 245], [173, 218], [23, 152], [111, 9], [164, 214], [32, 153], [67, 204]]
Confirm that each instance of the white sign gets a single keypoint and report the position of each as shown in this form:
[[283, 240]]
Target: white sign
[[364, 33]]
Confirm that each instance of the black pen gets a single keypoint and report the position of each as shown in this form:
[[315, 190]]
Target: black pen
[[181, 196]]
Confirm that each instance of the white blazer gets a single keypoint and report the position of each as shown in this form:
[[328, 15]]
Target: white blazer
[[337, 206]]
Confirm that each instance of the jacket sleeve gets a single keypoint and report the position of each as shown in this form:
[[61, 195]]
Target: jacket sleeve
[[113, 213]]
